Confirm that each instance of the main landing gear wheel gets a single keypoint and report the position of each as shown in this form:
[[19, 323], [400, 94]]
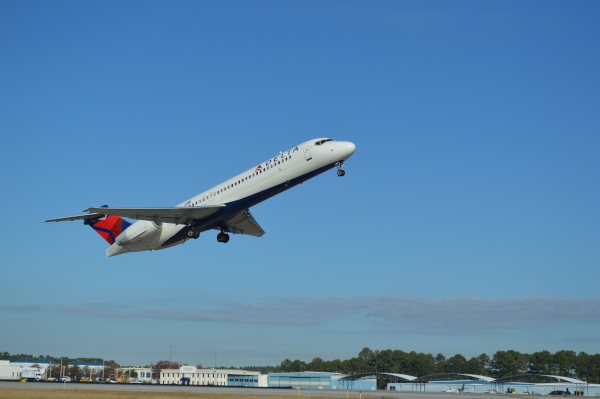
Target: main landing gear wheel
[[223, 237], [193, 234], [341, 172]]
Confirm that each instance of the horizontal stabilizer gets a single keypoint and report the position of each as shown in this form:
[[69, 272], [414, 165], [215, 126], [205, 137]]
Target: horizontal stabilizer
[[176, 215]]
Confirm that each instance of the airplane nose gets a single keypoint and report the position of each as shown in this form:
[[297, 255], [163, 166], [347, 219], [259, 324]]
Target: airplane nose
[[349, 149]]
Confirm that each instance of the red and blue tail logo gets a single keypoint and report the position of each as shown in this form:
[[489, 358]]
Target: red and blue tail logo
[[108, 226]]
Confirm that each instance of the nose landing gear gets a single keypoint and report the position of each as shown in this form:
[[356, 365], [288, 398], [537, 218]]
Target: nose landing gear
[[341, 172]]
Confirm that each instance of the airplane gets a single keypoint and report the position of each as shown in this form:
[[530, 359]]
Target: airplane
[[225, 207], [456, 390]]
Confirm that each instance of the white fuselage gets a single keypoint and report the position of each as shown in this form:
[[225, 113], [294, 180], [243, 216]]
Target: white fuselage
[[255, 185]]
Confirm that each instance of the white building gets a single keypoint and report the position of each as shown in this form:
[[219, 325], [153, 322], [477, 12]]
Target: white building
[[144, 374], [28, 363], [9, 371], [190, 375]]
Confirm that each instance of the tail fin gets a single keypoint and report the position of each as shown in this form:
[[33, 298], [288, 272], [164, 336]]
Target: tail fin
[[108, 226]]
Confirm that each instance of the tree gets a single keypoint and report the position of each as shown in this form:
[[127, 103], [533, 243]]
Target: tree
[[366, 354], [583, 366], [484, 363], [315, 365], [286, 366], [385, 362], [507, 363], [419, 364], [541, 363], [85, 372], [564, 362], [110, 372], [298, 366], [334, 366], [74, 372], [474, 367], [163, 365], [456, 364], [53, 371], [399, 361], [440, 363], [594, 374]]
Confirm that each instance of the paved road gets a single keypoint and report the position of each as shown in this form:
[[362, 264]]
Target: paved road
[[247, 391]]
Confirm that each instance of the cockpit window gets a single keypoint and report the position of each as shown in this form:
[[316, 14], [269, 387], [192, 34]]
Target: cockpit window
[[322, 141]]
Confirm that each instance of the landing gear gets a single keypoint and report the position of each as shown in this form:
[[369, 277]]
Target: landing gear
[[223, 237], [193, 234], [341, 172]]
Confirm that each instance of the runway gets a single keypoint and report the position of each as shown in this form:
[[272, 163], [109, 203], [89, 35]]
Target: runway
[[333, 393]]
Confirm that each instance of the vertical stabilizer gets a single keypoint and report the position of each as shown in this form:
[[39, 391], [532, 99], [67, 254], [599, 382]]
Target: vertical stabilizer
[[108, 226]]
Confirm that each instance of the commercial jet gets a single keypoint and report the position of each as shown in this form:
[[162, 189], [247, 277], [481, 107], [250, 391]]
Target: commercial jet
[[225, 207]]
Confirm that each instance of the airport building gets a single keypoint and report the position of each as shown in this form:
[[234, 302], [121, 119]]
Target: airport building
[[144, 374], [320, 380], [190, 375], [528, 384], [8, 371], [95, 365], [31, 363]]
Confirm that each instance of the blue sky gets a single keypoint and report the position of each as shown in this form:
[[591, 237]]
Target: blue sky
[[467, 221]]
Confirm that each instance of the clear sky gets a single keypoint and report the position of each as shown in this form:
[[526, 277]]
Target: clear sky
[[467, 221]]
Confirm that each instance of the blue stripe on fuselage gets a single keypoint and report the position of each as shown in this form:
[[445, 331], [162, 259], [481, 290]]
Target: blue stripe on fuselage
[[233, 208]]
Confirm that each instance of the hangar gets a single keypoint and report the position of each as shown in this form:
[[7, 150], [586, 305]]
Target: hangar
[[533, 384], [321, 380]]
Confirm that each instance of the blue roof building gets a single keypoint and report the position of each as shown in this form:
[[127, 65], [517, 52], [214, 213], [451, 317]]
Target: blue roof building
[[78, 363], [319, 380]]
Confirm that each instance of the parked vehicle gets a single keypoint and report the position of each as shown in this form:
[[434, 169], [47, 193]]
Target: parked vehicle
[[33, 375]]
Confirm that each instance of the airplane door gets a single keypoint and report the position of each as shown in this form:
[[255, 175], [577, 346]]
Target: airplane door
[[307, 154]]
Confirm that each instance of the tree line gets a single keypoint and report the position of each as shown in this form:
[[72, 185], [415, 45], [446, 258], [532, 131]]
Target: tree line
[[54, 359], [502, 364]]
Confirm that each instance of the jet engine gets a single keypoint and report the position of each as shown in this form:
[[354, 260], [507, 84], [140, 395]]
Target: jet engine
[[136, 232]]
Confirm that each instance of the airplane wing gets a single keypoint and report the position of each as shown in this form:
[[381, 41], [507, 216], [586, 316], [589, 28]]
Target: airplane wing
[[78, 217], [244, 223], [176, 215]]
